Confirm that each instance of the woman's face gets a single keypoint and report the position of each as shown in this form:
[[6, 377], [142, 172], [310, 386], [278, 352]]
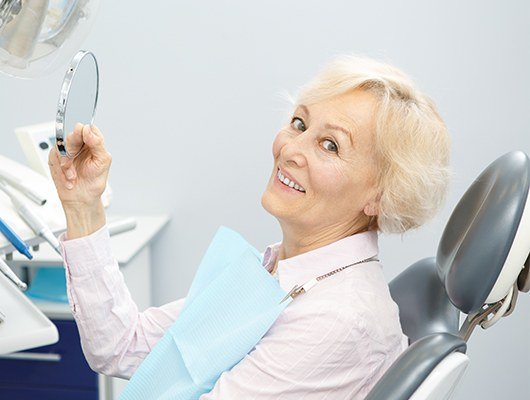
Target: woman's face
[[327, 149]]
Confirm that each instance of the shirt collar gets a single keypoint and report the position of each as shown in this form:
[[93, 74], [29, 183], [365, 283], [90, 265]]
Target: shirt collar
[[299, 269]]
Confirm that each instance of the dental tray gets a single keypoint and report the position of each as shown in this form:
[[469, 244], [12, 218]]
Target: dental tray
[[24, 325]]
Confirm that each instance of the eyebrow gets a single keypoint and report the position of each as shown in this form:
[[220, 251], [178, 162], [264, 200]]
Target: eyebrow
[[306, 110], [332, 126], [340, 129]]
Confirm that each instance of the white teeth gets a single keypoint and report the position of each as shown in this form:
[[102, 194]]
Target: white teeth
[[288, 182]]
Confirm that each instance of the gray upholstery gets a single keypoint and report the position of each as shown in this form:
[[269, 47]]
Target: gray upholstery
[[424, 307], [471, 254], [411, 368], [481, 229]]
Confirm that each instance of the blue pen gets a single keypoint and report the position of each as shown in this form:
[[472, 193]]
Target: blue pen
[[15, 240]]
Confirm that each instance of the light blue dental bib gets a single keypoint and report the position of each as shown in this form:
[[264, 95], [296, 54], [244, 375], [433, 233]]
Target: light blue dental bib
[[232, 303]]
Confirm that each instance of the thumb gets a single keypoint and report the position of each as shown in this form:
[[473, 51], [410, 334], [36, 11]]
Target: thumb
[[93, 139]]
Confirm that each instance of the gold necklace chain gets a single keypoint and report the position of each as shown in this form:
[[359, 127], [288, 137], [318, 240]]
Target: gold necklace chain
[[373, 258], [296, 290]]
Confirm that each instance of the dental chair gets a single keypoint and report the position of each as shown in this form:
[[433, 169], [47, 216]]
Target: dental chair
[[481, 264]]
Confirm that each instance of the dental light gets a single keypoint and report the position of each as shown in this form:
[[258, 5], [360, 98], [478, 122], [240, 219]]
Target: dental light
[[37, 36]]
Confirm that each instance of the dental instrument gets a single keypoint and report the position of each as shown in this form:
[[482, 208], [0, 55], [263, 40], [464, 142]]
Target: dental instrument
[[122, 225], [31, 219], [15, 240], [23, 188], [4, 268]]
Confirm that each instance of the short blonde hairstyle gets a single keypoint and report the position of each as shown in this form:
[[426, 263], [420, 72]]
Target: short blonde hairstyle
[[412, 144]]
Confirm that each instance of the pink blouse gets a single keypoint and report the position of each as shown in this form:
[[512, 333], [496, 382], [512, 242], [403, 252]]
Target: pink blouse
[[333, 342]]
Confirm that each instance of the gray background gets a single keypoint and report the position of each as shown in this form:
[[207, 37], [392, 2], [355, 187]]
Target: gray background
[[203, 82]]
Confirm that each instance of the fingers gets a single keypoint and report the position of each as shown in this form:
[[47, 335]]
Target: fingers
[[95, 130], [66, 164], [74, 141], [93, 139], [54, 159]]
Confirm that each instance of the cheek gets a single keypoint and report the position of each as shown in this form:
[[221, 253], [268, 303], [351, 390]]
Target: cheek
[[330, 180], [279, 142], [340, 187]]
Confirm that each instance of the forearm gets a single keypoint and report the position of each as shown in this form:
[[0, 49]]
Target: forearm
[[106, 315], [115, 336], [107, 320], [83, 220]]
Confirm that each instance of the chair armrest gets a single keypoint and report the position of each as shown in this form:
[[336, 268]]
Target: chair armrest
[[412, 367]]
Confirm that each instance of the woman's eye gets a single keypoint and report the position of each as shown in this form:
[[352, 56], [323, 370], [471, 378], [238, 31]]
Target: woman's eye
[[330, 146], [298, 124]]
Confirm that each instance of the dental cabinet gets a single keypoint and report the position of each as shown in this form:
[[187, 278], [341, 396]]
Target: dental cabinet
[[60, 371]]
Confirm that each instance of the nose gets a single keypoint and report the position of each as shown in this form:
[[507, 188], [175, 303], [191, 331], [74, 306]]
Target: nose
[[294, 152]]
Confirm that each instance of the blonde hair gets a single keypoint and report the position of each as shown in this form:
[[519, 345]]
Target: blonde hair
[[412, 144]]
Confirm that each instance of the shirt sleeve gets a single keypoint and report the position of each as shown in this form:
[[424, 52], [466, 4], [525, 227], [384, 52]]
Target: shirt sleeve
[[115, 336], [318, 355]]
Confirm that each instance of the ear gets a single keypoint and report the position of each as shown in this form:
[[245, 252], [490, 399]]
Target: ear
[[372, 208]]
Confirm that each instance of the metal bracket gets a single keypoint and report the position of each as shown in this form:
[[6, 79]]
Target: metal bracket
[[479, 317]]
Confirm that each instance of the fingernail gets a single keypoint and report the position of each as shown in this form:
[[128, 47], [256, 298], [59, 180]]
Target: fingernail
[[69, 185], [70, 173]]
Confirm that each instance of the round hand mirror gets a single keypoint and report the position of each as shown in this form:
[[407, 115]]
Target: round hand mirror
[[77, 102]]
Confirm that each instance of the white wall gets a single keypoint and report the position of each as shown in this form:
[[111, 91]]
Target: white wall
[[201, 83]]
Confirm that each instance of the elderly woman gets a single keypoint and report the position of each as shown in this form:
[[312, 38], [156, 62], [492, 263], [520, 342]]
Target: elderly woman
[[364, 152]]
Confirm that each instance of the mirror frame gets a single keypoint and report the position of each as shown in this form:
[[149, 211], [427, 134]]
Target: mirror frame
[[63, 100]]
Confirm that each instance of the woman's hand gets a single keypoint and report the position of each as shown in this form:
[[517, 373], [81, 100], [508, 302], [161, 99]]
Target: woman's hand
[[80, 181]]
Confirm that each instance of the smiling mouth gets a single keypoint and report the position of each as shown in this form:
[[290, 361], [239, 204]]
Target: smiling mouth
[[287, 182]]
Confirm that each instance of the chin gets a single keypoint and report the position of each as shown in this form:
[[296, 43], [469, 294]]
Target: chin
[[272, 205], [282, 214], [267, 203]]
